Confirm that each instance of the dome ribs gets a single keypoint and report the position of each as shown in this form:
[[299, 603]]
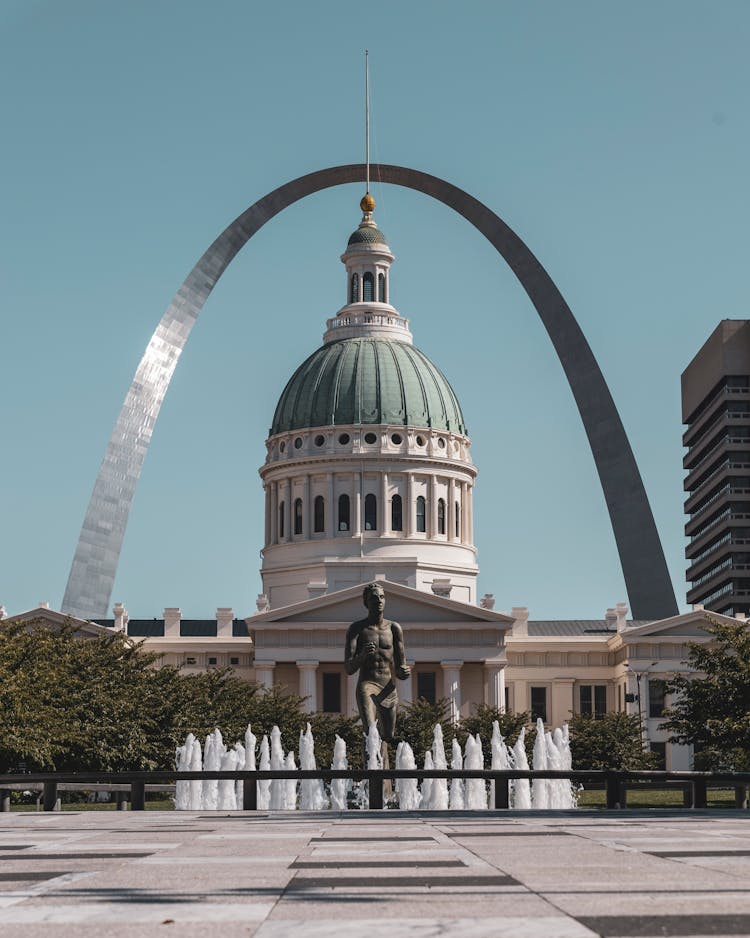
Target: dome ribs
[[324, 389], [394, 414], [425, 417], [368, 381], [368, 384]]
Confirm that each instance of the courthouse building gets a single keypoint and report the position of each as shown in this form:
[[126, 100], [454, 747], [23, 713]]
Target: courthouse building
[[368, 476]]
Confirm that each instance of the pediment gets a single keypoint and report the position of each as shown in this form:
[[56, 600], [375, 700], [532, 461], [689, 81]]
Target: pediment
[[403, 604], [44, 617], [694, 624]]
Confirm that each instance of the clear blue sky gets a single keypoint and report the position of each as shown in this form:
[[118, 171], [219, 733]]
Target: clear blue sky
[[613, 137]]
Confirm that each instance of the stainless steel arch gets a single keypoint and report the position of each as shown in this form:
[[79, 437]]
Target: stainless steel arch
[[95, 562]]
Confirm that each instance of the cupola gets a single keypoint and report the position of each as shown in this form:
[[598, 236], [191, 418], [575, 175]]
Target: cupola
[[368, 473], [367, 310]]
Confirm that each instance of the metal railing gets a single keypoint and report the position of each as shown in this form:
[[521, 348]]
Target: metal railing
[[615, 783]]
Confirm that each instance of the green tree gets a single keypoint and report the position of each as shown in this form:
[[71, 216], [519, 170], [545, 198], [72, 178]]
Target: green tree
[[610, 742], [509, 723], [326, 727], [416, 726], [711, 710], [68, 702], [74, 703]]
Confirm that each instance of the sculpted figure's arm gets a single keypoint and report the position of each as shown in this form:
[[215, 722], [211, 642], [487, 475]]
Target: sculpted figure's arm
[[399, 652], [353, 661]]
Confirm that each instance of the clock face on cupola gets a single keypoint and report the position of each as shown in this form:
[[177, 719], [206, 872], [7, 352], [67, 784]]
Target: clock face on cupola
[[368, 473]]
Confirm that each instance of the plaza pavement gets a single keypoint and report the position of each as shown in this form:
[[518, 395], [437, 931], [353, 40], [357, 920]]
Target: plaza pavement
[[323, 875]]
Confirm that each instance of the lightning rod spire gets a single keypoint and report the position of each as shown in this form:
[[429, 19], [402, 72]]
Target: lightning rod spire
[[367, 116]]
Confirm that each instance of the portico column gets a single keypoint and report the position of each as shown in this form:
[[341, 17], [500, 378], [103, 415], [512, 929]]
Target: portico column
[[308, 684], [452, 688], [264, 673], [495, 685], [406, 689]]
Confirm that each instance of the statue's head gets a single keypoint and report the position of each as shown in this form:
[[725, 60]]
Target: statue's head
[[373, 596]]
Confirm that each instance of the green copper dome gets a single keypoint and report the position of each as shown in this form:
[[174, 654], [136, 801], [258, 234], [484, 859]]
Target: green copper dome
[[367, 235], [368, 381]]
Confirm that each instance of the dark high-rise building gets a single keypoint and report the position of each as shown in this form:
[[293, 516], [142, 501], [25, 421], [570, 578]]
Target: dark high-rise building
[[716, 409]]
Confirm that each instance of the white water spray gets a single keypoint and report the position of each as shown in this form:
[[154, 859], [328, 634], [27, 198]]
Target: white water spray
[[476, 792], [407, 789], [457, 801], [311, 791], [264, 787], [339, 786], [551, 751], [521, 786], [439, 785]]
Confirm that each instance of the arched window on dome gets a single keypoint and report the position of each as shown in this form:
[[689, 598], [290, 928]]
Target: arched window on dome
[[354, 289], [281, 520], [421, 514], [458, 520], [381, 289], [298, 516], [368, 287], [343, 512], [319, 513], [371, 513], [397, 514], [441, 516]]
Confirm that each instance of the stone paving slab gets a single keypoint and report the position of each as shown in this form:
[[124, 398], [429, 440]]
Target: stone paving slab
[[326, 875]]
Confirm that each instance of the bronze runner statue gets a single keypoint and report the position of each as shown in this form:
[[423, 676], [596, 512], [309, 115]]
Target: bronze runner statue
[[375, 648]]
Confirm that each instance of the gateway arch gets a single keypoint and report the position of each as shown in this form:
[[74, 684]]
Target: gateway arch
[[644, 568]]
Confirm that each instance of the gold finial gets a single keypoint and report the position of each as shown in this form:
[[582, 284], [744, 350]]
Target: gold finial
[[367, 204]]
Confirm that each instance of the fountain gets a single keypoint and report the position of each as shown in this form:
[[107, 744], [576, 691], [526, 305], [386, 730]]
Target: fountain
[[457, 800], [312, 796], [426, 802], [183, 761], [264, 787], [290, 784], [407, 789], [339, 786], [212, 763], [277, 800], [226, 798], [439, 785], [476, 792], [551, 751], [539, 787], [521, 786]]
